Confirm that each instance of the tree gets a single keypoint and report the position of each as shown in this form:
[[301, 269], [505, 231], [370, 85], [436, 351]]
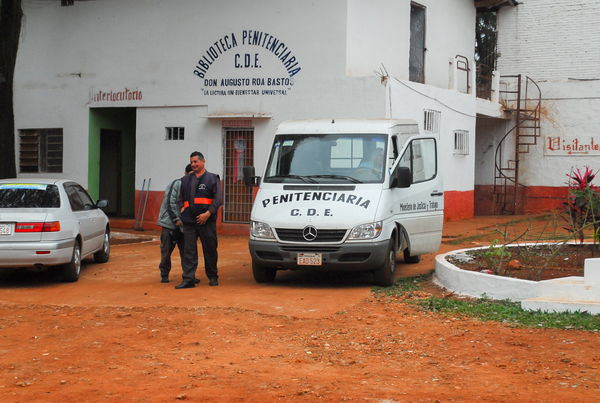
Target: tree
[[485, 38], [11, 14]]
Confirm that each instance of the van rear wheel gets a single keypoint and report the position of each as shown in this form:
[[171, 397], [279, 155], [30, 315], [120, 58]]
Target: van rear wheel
[[263, 274], [386, 273]]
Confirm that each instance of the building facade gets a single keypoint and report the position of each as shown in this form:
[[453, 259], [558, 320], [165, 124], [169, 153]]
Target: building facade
[[117, 94], [552, 45]]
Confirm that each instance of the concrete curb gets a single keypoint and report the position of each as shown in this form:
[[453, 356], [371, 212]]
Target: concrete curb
[[474, 284], [557, 295]]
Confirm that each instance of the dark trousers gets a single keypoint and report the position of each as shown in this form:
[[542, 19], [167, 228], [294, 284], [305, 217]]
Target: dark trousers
[[208, 238], [166, 249]]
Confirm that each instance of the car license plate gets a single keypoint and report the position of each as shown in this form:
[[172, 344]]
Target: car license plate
[[5, 229], [309, 259]]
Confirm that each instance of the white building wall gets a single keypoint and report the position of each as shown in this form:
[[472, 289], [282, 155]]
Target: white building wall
[[555, 43], [457, 112], [379, 37], [550, 40], [73, 59]]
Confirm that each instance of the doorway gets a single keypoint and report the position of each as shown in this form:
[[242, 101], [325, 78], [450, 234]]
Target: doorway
[[111, 164], [111, 151], [237, 197]]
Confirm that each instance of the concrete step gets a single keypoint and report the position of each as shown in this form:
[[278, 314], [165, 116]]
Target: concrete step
[[560, 305]]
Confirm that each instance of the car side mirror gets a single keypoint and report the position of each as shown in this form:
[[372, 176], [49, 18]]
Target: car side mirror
[[102, 203], [401, 178], [250, 178]]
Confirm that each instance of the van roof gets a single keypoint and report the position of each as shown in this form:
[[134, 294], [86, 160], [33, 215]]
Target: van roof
[[312, 126]]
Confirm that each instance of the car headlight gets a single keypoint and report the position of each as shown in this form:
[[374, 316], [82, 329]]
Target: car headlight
[[366, 231], [261, 230]]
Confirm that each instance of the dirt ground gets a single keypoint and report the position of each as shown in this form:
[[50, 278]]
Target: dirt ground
[[119, 335]]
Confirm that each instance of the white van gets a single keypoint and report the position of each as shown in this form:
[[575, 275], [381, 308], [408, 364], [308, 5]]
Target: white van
[[346, 194]]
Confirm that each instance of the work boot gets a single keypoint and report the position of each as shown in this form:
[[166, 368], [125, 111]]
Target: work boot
[[185, 285]]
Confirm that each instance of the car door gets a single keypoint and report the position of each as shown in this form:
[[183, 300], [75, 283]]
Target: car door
[[420, 207], [87, 218]]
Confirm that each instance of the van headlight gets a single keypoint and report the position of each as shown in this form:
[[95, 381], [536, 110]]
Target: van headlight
[[366, 231], [261, 230]]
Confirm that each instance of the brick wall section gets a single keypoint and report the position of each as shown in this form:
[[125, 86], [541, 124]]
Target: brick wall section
[[550, 39]]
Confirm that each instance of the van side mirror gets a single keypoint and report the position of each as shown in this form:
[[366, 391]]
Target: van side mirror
[[401, 178], [250, 179]]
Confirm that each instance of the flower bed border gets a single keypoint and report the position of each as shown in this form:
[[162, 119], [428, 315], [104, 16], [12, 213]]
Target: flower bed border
[[478, 285]]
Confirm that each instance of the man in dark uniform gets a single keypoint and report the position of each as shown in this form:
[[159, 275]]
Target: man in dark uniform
[[199, 200]]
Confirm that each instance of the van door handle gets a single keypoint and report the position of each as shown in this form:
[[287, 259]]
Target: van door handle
[[436, 193]]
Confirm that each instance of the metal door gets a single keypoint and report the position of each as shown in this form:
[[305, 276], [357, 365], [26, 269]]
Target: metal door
[[237, 198]]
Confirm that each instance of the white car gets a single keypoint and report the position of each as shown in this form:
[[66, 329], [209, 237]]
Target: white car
[[50, 222]]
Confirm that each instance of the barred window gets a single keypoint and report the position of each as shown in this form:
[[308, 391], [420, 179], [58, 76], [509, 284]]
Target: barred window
[[461, 142], [174, 133], [431, 122], [41, 150]]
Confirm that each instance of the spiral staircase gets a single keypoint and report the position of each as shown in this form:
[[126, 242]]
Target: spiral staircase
[[521, 97]]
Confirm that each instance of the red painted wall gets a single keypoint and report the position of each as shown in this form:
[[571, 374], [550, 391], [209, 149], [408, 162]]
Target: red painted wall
[[458, 205], [530, 199]]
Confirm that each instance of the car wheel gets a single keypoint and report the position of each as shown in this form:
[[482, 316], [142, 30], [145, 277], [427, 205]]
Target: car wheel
[[411, 259], [263, 274], [386, 273], [103, 254], [72, 269]]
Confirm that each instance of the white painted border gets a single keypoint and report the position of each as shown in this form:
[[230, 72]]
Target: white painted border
[[556, 295], [475, 284]]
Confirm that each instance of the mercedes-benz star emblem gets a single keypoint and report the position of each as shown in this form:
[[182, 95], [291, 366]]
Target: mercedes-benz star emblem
[[309, 233]]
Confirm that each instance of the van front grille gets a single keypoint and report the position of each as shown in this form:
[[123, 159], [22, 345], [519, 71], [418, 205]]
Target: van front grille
[[323, 235]]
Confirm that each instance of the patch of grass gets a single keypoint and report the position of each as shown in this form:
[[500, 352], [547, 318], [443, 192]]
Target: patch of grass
[[486, 309], [404, 284], [511, 312]]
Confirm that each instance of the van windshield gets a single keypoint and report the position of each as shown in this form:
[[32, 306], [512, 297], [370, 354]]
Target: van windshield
[[327, 158]]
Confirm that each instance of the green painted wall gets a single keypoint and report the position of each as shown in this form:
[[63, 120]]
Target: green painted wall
[[123, 119]]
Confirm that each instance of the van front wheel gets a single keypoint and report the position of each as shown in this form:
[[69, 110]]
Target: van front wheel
[[386, 273], [263, 274]]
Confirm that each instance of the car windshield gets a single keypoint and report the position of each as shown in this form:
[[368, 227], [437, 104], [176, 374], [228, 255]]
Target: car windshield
[[327, 158], [29, 195]]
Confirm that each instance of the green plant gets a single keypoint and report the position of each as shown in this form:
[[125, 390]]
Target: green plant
[[583, 204], [493, 256]]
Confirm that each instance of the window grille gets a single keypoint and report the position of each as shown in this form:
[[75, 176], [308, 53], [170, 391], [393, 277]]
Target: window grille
[[174, 133], [41, 150], [461, 142], [431, 123]]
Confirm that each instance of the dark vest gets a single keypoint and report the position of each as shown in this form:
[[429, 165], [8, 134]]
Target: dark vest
[[197, 201]]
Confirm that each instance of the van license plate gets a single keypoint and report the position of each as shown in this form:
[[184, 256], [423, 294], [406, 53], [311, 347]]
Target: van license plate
[[5, 229], [309, 259]]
